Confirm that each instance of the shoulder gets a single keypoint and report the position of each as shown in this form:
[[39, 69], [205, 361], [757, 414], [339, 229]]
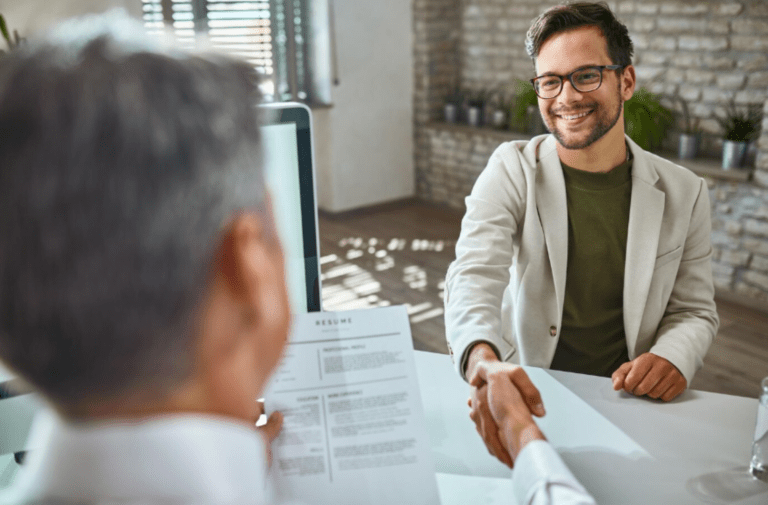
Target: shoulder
[[673, 171], [675, 180], [510, 173], [523, 153], [511, 169]]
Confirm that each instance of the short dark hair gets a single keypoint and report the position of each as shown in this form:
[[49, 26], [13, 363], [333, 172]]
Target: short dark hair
[[566, 17], [119, 169]]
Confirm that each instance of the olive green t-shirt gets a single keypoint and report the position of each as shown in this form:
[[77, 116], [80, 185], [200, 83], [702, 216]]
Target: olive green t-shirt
[[592, 339]]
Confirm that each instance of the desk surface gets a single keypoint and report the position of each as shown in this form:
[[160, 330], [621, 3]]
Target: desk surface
[[623, 449]]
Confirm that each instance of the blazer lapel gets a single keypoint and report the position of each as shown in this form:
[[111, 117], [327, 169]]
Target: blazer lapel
[[553, 213], [646, 210]]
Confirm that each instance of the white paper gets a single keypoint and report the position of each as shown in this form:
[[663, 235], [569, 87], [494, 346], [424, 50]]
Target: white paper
[[458, 449], [354, 428], [465, 489]]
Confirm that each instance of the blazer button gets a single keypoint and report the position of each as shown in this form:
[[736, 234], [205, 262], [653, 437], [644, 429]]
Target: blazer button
[[553, 331]]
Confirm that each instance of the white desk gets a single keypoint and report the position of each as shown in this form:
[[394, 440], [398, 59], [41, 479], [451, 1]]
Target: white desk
[[5, 375], [623, 449]]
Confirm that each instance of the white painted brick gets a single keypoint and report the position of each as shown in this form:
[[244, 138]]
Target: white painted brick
[[699, 43], [684, 8], [718, 62], [750, 291], [690, 94], [755, 227], [675, 24], [648, 73], [735, 258], [749, 26], [759, 263], [731, 80], [756, 279], [749, 43], [733, 228], [729, 9], [667, 43], [749, 96], [722, 270], [694, 76], [753, 62], [647, 8], [758, 80]]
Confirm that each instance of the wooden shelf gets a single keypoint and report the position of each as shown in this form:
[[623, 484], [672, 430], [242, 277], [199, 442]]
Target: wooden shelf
[[710, 167], [487, 131], [705, 167]]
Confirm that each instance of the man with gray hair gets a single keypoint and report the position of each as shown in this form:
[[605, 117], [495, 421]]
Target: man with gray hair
[[142, 286]]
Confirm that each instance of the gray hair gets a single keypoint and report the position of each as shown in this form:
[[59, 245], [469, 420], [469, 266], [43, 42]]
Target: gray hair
[[120, 165]]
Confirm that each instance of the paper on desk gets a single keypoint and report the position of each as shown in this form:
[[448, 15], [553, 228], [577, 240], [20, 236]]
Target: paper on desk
[[570, 424], [464, 489], [354, 428]]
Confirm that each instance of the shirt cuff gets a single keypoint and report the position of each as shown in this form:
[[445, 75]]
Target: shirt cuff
[[468, 350], [539, 470]]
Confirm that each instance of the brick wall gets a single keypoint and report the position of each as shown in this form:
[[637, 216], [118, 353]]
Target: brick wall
[[740, 239], [705, 52], [437, 27]]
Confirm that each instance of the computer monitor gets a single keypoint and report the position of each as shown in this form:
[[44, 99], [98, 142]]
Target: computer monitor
[[289, 173]]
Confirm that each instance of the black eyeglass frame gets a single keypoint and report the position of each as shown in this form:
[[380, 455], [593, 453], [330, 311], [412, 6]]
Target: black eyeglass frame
[[569, 77]]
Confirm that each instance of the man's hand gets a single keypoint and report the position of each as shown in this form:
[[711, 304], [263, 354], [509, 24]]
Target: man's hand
[[269, 430], [481, 365], [507, 393], [651, 375]]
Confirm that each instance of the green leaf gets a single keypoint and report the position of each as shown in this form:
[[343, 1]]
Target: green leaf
[[4, 30], [646, 120]]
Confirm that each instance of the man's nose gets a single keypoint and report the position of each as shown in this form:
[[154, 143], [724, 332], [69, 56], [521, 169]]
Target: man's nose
[[569, 93]]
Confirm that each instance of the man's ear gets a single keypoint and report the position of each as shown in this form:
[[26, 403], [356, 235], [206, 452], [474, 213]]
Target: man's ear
[[628, 82], [243, 256], [250, 264]]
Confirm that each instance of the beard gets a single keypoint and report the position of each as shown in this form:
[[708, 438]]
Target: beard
[[606, 119]]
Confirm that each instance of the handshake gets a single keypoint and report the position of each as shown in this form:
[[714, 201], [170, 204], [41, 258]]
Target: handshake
[[504, 400], [502, 406]]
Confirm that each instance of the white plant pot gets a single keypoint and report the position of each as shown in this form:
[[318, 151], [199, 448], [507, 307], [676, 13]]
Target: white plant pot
[[688, 148], [734, 154]]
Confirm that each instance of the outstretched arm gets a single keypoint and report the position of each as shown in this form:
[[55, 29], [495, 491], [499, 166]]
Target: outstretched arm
[[542, 478]]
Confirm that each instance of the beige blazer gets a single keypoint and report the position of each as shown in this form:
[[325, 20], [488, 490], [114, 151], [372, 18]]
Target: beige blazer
[[507, 284]]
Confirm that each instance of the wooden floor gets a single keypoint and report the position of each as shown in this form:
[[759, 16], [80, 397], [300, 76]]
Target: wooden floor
[[399, 255]]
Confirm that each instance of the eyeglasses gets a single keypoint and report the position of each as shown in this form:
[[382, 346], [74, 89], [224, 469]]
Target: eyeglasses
[[584, 80]]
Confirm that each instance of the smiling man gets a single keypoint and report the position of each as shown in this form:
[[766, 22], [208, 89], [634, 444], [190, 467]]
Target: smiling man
[[579, 251]]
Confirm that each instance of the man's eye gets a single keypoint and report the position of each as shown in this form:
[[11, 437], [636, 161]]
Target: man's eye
[[587, 76], [549, 82]]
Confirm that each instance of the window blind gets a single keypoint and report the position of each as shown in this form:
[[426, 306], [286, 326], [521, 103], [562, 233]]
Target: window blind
[[238, 27], [278, 37]]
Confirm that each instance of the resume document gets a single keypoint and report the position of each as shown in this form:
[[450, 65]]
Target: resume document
[[353, 428]]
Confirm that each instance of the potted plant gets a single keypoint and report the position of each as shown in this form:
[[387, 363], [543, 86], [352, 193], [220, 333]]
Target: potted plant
[[690, 139], [739, 127], [13, 42], [646, 120], [524, 110], [452, 106], [496, 110], [476, 103]]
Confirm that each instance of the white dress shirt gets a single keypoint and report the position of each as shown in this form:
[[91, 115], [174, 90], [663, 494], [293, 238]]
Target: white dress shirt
[[541, 478], [173, 459], [202, 460]]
